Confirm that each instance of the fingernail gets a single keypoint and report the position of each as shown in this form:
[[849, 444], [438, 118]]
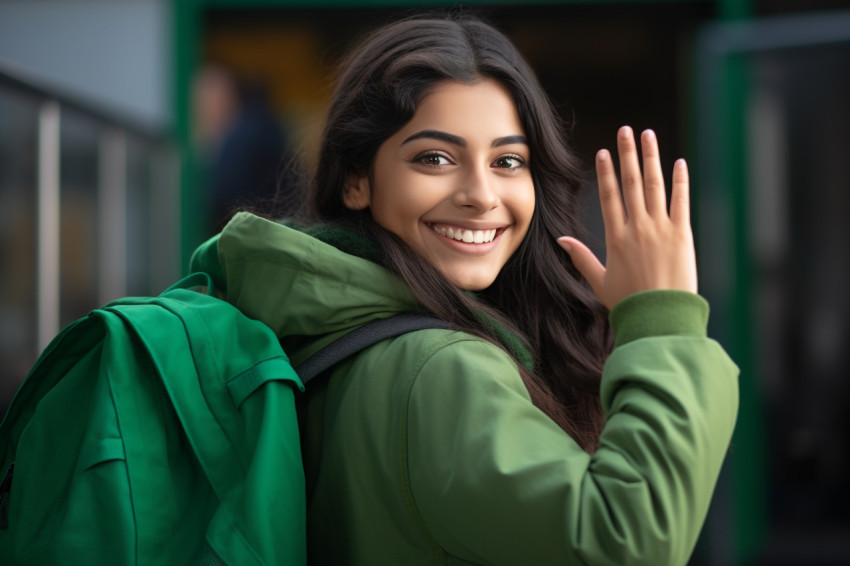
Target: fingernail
[[626, 131], [602, 154], [680, 164], [649, 134], [565, 244]]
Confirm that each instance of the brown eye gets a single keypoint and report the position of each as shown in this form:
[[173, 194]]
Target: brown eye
[[509, 162], [432, 159]]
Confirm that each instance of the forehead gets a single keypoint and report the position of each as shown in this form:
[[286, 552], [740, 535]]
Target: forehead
[[482, 109]]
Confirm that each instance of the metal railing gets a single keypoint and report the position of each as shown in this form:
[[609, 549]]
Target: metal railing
[[158, 188]]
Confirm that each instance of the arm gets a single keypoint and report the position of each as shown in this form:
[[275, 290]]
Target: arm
[[496, 481]]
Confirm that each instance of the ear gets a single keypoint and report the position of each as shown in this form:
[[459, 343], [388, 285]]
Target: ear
[[356, 194]]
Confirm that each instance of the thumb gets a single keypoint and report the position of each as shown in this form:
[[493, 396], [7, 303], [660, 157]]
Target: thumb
[[585, 261]]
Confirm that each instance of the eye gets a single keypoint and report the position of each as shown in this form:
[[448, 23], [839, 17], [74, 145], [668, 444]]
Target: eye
[[432, 159], [510, 162]]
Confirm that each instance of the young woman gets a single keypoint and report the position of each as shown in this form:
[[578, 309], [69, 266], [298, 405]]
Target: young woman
[[533, 432]]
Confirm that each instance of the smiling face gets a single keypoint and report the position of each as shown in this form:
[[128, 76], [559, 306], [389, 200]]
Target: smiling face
[[454, 183]]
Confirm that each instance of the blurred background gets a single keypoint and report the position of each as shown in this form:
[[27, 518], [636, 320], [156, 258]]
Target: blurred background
[[129, 129]]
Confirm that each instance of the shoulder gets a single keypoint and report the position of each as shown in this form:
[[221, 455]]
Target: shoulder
[[441, 361], [438, 347], [450, 367]]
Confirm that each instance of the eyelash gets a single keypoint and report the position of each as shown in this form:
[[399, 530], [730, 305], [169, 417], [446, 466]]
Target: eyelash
[[517, 158], [432, 154]]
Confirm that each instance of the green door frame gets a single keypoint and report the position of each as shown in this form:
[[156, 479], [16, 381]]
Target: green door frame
[[738, 517]]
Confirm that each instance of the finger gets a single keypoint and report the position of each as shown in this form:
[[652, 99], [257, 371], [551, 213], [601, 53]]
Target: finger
[[630, 172], [680, 199], [653, 176], [609, 193], [584, 260]]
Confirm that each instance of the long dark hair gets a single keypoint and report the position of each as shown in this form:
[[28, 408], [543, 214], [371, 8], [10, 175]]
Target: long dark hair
[[538, 296]]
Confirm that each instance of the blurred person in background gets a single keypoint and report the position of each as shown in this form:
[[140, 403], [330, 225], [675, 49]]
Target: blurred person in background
[[244, 150]]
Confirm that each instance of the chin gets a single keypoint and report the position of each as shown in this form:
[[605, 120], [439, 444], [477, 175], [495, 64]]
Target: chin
[[471, 283]]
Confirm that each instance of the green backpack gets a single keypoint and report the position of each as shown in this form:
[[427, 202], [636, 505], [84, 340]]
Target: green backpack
[[162, 430]]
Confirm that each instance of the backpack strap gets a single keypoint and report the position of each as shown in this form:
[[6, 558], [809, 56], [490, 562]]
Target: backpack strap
[[363, 337], [200, 281]]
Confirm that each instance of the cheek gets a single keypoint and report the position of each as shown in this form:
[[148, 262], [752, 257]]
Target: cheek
[[404, 201], [395, 210], [524, 203]]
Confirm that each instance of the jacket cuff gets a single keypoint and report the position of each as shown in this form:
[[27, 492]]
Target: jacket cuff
[[658, 313]]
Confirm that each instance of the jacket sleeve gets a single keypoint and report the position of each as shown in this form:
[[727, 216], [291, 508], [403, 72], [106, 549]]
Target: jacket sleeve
[[495, 481]]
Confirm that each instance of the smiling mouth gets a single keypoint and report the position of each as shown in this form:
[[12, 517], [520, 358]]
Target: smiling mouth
[[464, 235]]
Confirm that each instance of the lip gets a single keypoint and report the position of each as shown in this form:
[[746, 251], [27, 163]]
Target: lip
[[464, 247], [468, 225]]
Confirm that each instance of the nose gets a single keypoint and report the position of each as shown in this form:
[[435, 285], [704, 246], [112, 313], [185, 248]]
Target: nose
[[477, 190]]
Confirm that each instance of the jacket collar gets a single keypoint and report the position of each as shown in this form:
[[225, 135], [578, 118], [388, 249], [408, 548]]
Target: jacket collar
[[308, 292]]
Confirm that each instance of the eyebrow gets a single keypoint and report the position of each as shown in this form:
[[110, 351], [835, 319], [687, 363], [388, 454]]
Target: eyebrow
[[459, 141], [508, 140]]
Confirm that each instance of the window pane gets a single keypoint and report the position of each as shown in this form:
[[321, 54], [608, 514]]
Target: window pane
[[139, 254], [18, 154], [799, 198], [78, 216]]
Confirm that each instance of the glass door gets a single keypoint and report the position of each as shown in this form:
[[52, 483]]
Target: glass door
[[773, 183]]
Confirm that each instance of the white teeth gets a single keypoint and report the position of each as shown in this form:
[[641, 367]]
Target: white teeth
[[466, 236]]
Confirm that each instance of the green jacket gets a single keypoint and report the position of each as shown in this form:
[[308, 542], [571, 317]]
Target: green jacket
[[426, 448]]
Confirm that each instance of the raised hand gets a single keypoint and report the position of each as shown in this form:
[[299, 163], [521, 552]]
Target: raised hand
[[647, 247]]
